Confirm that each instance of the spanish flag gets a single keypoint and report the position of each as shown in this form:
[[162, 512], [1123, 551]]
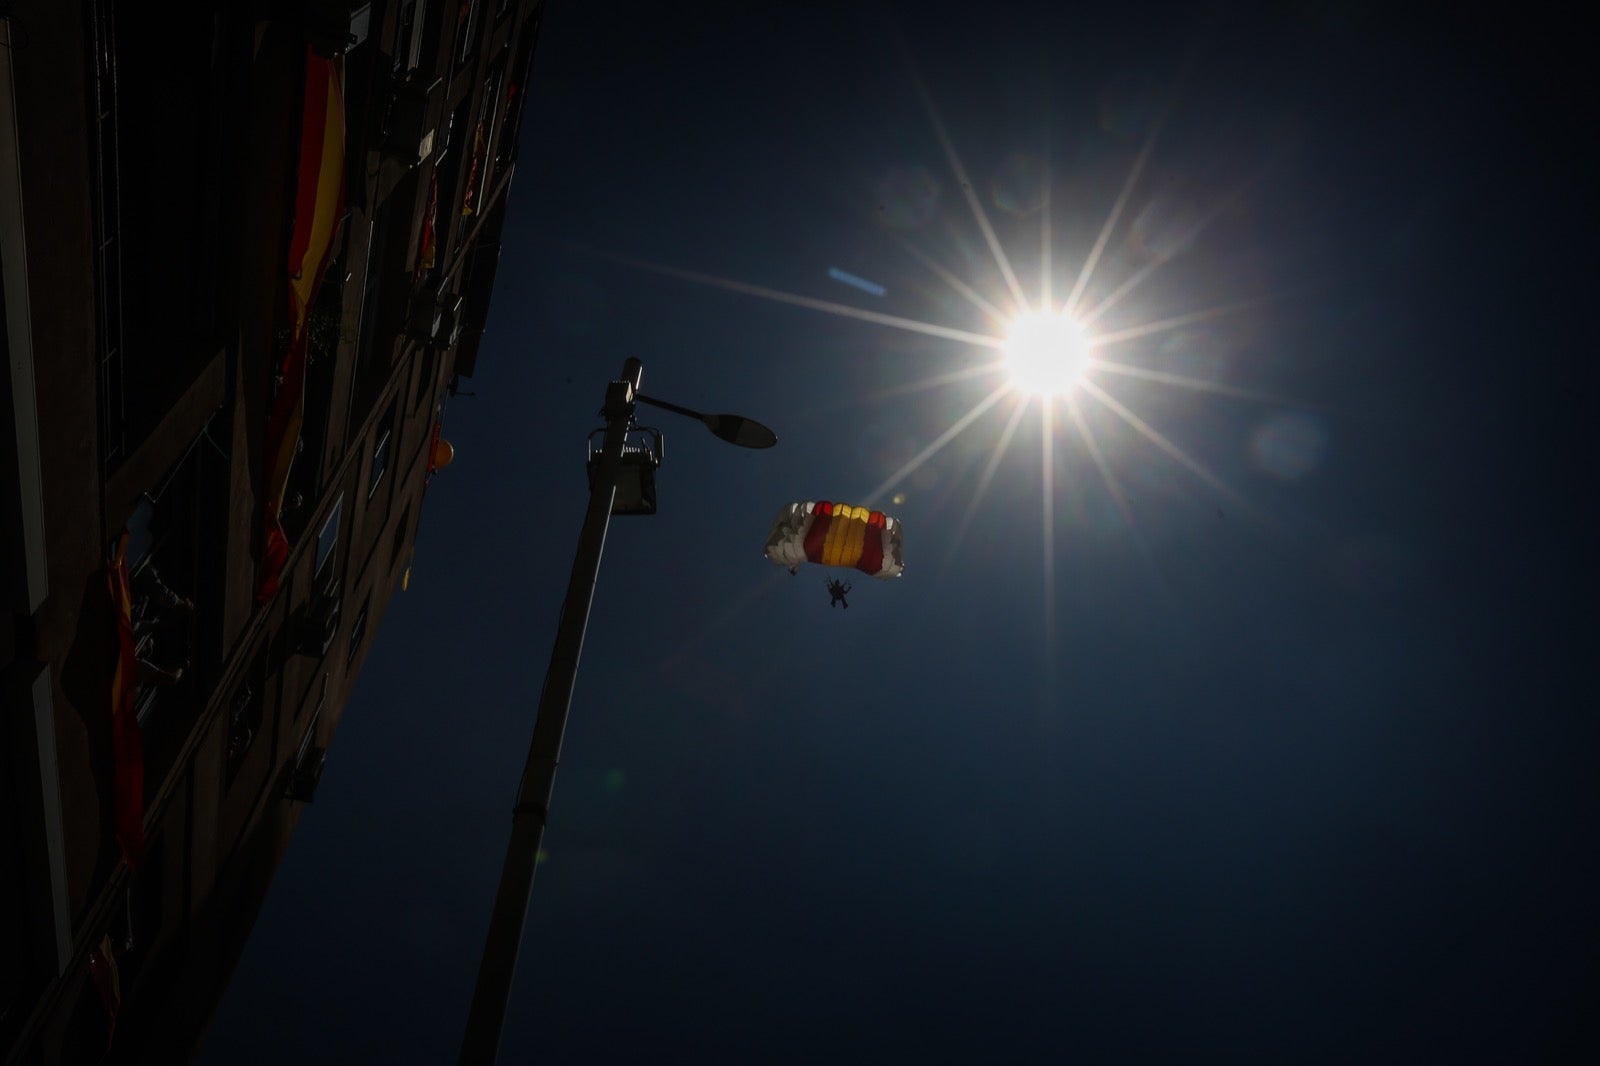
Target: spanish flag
[[319, 204], [427, 243]]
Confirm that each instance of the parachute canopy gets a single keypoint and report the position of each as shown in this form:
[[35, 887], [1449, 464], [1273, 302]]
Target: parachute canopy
[[836, 534]]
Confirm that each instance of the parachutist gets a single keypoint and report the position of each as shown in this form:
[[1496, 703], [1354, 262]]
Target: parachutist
[[837, 590]]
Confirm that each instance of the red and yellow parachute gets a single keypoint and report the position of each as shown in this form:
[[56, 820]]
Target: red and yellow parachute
[[836, 534]]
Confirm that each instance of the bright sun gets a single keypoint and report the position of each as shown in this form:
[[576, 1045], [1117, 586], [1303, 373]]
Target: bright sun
[[1046, 354]]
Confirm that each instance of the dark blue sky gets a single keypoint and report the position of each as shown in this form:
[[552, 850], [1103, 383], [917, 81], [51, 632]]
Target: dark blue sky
[[1281, 759]]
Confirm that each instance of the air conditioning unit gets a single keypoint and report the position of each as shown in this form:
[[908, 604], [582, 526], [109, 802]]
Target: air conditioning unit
[[435, 317], [448, 330], [423, 317], [412, 121], [334, 27]]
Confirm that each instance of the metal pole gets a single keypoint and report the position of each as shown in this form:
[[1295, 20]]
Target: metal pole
[[489, 999]]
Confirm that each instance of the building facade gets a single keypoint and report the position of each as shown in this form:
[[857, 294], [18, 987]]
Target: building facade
[[244, 263]]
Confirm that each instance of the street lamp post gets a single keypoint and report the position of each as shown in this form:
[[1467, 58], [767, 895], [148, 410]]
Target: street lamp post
[[531, 811]]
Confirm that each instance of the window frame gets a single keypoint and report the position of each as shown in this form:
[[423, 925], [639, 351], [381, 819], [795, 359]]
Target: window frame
[[326, 562], [409, 35], [358, 633], [380, 461]]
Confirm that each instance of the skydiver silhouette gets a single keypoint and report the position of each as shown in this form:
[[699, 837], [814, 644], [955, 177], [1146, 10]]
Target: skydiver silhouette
[[837, 590]]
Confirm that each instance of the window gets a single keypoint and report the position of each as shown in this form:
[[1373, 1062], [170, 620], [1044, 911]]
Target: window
[[399, 538], [516, 92], [325, 336], [482, 137], [380, 460], [244, 724], [140, 537], [357, 631], [447, 171], [310, 735], [309, 761], [454, 119], [408, 38], [374, 344], [245, 717], [328, 550], [466, 31], [168, 568], [318, 624], [427, 367]]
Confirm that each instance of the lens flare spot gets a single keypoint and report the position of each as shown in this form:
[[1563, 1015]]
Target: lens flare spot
[[870, 287], [1290, 446], [1046, 353], [615, 779], [898, 498], [1163, 228], [1019, 185]]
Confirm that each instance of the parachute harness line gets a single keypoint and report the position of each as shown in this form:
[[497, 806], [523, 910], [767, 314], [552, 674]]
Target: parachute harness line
[[836, 534]]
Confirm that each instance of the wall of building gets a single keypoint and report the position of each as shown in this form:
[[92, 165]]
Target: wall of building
[[158, 192]]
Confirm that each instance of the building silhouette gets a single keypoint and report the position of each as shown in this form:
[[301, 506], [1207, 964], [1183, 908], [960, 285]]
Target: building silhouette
[[247, 251]]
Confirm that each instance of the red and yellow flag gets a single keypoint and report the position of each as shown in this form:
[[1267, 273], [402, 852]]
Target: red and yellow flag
[[319, 196], [427, 244], [319, 204], [480, 146]]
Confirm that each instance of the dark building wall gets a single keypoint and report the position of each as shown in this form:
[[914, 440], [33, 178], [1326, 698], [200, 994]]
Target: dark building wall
[[55, 186], [159, 193]]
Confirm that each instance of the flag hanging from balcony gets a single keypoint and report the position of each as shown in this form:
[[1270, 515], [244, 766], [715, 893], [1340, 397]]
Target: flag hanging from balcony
[[319, 205], [480, 145], [319, 194], [127, 749], [427, 244]]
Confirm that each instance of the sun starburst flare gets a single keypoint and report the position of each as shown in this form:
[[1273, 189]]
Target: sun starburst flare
[[1047, 354]]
